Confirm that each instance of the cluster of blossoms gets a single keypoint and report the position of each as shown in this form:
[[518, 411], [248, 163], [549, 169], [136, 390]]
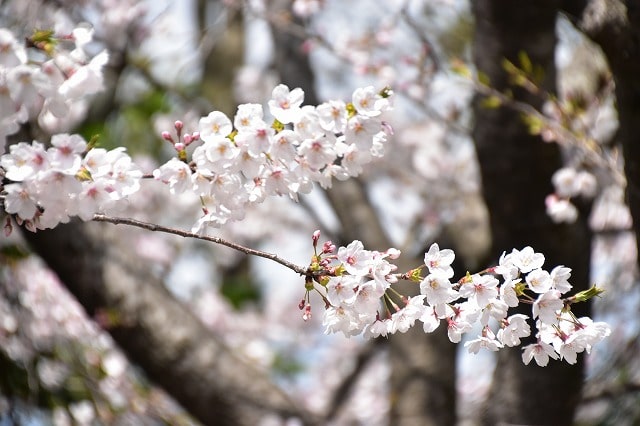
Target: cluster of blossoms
[[356, 286], [569, 183], [48, 186], [244, 161], [47, 83], [229, 168]]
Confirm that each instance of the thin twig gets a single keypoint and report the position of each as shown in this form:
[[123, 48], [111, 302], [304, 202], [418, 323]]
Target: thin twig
[[216, 240]]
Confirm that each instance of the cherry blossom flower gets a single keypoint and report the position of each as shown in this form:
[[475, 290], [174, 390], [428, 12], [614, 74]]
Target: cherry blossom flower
[[176, 174], [367, 102], [430, 320], [496, 309], [560, 210], [332, 116], [438, 289], [486, 341], [342, 289], [480, 289], [213, 125], [526, 259], [560, 278], [513, 329], [284, 105], [508, 292], [377, 328], [547, 306], [539, 281], [404, 318], [540, 351], [438, 260], [18, 201], [355, 258]]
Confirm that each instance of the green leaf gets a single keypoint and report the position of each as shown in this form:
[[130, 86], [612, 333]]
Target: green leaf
[[240, 290], [525, 62], [461, 68], [533, 123], [491, 102], [14, 252], [277, 126], [585, 295], [509, 67], [483, 78], [286, 365]]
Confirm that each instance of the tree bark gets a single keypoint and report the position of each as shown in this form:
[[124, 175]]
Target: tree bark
[[516, 169], [615, 26], [156, 331], [423, 365]]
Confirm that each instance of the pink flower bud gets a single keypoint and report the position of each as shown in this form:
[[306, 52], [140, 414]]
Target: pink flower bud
[[307, 313], [307, 46], [386, 127], [179, 146], [393, 253], [30, 226], [328, 247], [195, 136], [178, 125], [301, 304], [167, 136], [187, 139], [8, 228], [315, 237]]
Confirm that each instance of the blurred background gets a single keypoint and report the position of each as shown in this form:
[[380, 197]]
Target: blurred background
[[104, 324]]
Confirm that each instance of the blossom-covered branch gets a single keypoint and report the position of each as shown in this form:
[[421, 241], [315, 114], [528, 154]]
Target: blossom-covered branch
[[359, 298], [233, 165], [230, 164]]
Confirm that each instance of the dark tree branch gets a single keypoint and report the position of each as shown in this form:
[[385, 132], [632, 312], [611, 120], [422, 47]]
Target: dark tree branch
[[157, 332], [615, 26], [423, 365], [516, 169], [216, 240]]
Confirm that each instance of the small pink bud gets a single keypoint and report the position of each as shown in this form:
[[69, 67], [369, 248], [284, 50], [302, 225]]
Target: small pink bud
[[386, 127], [8, 228], [195, 136], [393, 253], [307, 46], [307, 313], [187, 139], [178, 125], [328, 247], [315, 237], [301, 304], [179, 146], [167, 136], [30, 226]]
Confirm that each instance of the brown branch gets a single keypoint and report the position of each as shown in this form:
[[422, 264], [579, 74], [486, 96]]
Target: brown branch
[[210, 379], [216, 240]]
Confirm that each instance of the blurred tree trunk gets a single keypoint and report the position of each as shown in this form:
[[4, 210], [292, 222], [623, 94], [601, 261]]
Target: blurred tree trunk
[[157, 332], [423, 365], [615, 26], [516, 170], [222, 30]]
